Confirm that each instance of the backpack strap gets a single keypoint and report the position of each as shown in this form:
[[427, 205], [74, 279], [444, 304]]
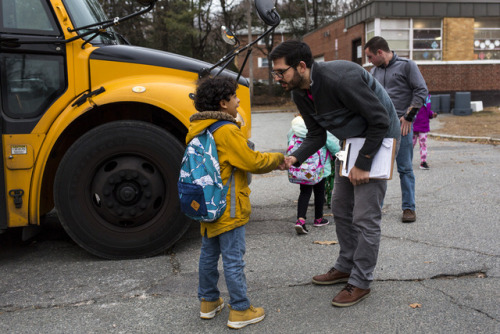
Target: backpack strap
[[212, 128], [215, 126]]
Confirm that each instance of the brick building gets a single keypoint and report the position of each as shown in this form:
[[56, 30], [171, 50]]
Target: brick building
[[455, 43]]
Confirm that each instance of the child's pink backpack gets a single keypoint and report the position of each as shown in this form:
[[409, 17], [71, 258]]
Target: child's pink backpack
[[312, 170]]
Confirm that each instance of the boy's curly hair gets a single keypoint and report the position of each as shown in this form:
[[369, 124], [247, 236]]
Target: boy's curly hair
[[210, 91]]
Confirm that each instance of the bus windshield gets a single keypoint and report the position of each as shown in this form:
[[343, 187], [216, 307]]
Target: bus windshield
[[86, 12]]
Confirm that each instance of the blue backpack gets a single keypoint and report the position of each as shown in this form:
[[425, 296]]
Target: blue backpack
[[201, 192]]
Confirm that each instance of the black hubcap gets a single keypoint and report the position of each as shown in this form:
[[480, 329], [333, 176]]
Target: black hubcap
[[128, 191]]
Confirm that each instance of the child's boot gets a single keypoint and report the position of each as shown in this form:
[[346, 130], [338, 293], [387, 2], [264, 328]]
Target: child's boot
[[240, 319], [211, 309]]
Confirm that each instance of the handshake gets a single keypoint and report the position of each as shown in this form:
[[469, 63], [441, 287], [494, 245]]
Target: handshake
[[289, 161]]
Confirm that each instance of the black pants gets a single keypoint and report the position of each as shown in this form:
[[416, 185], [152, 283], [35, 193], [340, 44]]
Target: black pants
[[305, 196]]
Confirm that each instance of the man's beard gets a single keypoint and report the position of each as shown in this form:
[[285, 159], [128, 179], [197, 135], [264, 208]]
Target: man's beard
[[295, 83]]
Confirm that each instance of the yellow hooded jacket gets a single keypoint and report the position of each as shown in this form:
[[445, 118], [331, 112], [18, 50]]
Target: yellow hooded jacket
[[233, 152]]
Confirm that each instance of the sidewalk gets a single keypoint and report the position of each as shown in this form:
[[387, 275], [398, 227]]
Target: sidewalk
[[436, 125]]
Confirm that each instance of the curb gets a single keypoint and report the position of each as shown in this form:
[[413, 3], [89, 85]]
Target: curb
[[270, 111], [490, 140], [465, 138]]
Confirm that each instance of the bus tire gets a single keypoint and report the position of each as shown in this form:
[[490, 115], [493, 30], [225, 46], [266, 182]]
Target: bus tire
[[115, 190]]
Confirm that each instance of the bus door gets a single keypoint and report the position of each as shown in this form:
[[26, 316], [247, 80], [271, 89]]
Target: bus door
[[32, 77]]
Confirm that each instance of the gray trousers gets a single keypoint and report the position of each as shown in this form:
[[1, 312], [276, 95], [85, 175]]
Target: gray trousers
[[357, 214]]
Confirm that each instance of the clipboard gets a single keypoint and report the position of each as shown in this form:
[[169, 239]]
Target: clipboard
[[383, 161]]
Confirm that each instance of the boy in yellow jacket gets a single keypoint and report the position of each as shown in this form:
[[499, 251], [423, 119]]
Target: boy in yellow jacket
[[216, 100]]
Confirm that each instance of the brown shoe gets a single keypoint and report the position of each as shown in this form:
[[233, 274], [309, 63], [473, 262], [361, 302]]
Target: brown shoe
[[333, 276], [409, 216], [350, 295]]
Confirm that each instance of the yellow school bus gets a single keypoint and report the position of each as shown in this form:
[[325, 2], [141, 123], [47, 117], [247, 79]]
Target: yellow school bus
[[94, 127]]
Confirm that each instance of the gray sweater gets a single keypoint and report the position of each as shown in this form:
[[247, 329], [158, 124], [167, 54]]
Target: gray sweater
[[403, 82], [348, 102]]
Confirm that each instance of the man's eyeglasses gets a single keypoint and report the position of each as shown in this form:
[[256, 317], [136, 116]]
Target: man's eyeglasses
[[279, 74]]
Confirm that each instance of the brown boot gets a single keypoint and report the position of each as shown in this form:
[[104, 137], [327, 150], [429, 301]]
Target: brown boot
[[409, 216], [333, 276], [350, 295]]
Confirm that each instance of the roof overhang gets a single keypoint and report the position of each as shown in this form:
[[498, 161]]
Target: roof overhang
[[422, 8]]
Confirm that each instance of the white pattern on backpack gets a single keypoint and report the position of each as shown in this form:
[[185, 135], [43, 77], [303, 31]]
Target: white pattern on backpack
[[201, 192], [312, 170]]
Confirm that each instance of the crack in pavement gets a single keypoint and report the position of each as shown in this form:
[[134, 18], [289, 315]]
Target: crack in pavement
[[139, 292], [453, 300], [439, 246], [107, 299], [113, 298], [469, 274]]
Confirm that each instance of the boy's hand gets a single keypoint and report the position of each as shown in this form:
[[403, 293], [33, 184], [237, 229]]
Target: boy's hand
[[434, 115], [281, 166]]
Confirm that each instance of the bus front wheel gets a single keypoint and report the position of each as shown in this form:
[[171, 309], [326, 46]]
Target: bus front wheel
[[115, 190]]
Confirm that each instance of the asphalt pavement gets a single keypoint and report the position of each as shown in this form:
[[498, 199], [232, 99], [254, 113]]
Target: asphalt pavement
[[437, 275]]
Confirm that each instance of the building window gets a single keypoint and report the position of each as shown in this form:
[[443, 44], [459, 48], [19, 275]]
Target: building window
[[263, 62], [426, 40], [370, 30], [487, 39], [397, 34], [418, 39]]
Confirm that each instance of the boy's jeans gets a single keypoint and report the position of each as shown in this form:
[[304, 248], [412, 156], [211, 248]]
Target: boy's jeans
[[404, 161], [231, 245]]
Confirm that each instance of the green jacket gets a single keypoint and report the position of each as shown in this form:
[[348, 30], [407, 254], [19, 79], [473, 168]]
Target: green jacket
[[233, 152]]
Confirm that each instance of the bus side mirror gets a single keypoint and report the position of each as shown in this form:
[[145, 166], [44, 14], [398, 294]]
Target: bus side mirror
[[146, 2], [267, 12]]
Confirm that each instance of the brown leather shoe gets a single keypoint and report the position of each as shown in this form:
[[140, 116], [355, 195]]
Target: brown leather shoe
[[409, 216], [350, 295], [333, 276]]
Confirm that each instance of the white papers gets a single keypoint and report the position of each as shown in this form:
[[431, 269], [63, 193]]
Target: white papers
[[383, 161]]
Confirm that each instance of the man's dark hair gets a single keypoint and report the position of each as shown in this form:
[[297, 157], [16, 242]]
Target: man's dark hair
[[294, 52], [210, 91], [377, 43]]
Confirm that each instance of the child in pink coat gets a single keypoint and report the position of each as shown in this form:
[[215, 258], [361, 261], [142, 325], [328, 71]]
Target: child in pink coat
[[420, 129]]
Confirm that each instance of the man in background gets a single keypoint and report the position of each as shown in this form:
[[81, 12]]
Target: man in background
[[406, 86]]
